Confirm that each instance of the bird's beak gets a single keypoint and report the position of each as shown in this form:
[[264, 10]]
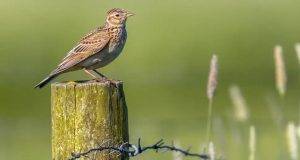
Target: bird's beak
[[129, 14]]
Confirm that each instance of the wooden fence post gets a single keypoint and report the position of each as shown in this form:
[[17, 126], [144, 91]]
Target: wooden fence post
[[86, 114]]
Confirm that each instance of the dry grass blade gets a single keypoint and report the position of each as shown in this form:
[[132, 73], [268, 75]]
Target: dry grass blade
[[280, 70]]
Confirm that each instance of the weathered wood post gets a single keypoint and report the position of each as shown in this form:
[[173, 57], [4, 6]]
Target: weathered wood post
[[84, 115]]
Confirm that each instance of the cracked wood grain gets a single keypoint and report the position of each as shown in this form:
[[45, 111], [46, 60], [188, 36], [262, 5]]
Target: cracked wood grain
[[84, 115]]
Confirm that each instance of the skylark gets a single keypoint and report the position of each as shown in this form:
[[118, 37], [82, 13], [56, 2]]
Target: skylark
[[96, 49]]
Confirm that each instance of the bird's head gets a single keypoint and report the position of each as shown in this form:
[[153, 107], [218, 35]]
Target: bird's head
[[117, 17]]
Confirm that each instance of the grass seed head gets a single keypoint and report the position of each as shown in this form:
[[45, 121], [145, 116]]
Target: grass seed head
[[292, 140], [212, 77], [280, 70]]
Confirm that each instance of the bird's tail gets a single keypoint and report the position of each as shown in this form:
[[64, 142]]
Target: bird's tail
[[46, 81]]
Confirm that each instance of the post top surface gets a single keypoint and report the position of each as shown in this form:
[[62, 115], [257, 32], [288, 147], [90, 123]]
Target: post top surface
[[87, 82]]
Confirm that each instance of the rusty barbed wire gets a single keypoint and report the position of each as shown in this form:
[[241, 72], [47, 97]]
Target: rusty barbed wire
[[132, 150]]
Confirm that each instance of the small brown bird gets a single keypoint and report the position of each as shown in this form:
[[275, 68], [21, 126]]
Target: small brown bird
[[96, 49]]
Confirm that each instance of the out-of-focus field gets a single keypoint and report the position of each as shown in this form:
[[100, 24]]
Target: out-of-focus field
[[164, 67]]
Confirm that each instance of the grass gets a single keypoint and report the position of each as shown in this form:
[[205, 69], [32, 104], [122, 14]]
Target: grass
[[211, 89]]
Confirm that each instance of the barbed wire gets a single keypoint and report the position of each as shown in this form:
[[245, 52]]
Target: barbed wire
[[132, 150]]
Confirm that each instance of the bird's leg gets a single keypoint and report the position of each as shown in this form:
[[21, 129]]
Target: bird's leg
[[95, 74], [103, 76]]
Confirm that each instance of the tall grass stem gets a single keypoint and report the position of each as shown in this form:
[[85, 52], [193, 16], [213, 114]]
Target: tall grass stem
[[211, 89], [252, 142], [209, 121]]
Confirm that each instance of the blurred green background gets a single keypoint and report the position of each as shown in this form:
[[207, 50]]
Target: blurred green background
[[164, 67]]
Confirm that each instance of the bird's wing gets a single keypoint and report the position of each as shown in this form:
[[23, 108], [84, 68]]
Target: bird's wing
[[86, 47]]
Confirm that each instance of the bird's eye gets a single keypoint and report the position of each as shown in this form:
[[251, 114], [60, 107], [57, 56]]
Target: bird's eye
[[117, 15]]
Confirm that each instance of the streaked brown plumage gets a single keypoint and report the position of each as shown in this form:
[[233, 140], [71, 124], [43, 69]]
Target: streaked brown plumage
[[96, 49]]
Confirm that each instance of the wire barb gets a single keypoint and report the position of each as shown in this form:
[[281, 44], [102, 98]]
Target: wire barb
[[133, 150]]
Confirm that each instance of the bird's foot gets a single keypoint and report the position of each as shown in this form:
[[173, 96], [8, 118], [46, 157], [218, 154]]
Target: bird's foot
[[101, 79]]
